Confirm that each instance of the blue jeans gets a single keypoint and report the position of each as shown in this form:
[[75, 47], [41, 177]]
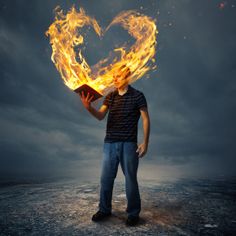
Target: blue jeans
[[125, 154]]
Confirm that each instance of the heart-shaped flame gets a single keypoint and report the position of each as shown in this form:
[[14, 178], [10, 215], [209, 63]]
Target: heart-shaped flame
[[65, 35]]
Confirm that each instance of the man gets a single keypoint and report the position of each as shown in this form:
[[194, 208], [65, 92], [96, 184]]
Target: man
[[120, 146]]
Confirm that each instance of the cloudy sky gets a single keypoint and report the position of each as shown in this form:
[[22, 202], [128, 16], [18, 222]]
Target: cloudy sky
[[45, 131]]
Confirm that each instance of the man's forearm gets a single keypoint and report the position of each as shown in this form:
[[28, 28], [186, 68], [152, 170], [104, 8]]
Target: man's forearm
[[95, 113], [143, 147], [99, 114], [146, 130]]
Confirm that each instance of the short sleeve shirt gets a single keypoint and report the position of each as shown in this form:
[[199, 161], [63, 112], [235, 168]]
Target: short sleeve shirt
[[124, 114]]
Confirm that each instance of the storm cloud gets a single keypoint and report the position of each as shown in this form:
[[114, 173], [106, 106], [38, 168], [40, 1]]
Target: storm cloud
[[45, 131]]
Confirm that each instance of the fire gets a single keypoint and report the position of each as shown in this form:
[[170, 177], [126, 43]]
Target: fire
[[65, 34]]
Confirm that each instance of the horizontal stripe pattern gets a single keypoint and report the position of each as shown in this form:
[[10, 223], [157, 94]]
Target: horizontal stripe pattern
[[124, 113]]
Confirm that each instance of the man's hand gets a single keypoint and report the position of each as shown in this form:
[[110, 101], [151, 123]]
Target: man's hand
[[86, 100], [142, 149], [87, 104]]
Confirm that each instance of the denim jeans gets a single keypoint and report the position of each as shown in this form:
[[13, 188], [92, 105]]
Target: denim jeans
[[125, 154]]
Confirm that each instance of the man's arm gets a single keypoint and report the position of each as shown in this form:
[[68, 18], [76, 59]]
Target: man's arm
[[99, 114], [142, 148]]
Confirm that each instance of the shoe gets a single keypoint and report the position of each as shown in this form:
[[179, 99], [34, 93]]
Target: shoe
[[132, 220], [99, 216]]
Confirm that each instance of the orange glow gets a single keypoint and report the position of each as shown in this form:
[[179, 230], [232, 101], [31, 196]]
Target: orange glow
[[65, 35]]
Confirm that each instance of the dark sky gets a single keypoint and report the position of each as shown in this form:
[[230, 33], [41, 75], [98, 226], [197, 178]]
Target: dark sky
[[46, 132]]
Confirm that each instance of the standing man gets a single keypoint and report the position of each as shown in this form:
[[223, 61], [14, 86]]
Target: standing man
[[125, 106]]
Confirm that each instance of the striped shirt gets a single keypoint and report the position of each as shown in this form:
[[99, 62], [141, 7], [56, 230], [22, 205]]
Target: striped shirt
[[124, 113]]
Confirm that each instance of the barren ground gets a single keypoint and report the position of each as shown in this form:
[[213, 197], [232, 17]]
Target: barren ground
[[185, 207]]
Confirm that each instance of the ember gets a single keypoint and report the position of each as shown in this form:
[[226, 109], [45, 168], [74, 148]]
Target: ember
[[222, 5]]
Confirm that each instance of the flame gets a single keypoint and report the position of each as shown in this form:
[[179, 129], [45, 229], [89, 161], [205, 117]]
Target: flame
[[65, 34]]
